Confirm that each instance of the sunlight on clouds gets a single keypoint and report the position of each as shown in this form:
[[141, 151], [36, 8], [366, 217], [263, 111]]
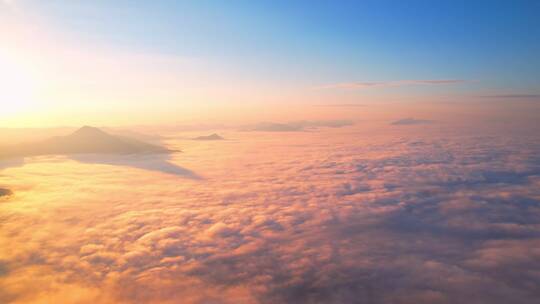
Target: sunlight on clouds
[[326, 216], [411, 177]]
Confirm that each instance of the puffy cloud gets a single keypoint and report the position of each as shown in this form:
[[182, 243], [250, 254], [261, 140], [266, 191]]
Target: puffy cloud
[[341, 216]]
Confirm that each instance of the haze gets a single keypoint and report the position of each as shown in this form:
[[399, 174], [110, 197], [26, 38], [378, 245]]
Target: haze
[[288, 152]]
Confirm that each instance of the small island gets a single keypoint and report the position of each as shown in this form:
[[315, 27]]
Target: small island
[[5, 192], [209, 137], [411, 121]]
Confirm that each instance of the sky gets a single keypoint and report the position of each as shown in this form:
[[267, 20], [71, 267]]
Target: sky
[[250, 152], [64, 62]]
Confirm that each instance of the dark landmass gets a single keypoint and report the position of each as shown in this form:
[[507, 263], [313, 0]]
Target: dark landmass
[[209, 137], [273, 127], [322, 123], [86, 140], [297, 126], [5, 192], [412, 121]]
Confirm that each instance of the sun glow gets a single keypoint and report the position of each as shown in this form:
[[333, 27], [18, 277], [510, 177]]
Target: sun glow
[[18, 87]]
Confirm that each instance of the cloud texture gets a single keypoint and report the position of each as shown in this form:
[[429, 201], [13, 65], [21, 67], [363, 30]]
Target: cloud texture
[[337, 216]]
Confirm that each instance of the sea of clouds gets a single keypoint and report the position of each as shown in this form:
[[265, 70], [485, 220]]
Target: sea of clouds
[[333, 216]]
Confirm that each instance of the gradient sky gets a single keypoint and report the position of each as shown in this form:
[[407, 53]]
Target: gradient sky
[[382, 152], [80, 57]]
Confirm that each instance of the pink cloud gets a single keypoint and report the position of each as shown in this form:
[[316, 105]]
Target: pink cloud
[[332, 218]]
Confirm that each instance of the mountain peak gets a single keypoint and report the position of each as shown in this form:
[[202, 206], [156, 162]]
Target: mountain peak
[[86, 140], [89, 131]]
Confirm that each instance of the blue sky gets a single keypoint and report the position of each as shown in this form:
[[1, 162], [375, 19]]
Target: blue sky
[[493, 42], [140, 56]]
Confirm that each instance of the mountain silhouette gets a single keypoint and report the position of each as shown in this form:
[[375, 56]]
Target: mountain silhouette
[[4, 192], [86, 140], [209, 137], [273, 127], [411, 121]]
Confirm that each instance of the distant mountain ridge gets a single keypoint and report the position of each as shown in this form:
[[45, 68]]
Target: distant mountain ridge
[[209, 137], [87, 140], [296, 126], [411, 121]]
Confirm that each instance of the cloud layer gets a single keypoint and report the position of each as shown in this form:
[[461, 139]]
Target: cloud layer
[[340, 216]]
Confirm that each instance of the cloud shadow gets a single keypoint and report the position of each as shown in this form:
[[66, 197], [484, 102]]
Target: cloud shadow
[[150, 162], [11, 162]]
